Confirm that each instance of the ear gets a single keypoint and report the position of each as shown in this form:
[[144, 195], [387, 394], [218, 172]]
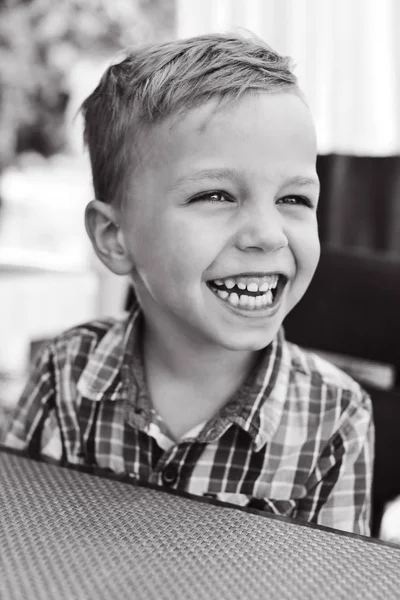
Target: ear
[[102, 226]]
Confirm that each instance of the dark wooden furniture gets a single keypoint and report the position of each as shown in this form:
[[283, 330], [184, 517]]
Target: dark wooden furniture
[[352, 307]]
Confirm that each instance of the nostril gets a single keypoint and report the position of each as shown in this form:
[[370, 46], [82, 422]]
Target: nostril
[[262, 243]]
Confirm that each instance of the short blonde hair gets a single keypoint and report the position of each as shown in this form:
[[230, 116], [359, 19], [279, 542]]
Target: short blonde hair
[[157, 81]]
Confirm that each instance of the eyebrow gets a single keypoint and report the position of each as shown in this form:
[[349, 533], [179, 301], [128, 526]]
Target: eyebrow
[[234, 175], [301, 181], [215, 174]]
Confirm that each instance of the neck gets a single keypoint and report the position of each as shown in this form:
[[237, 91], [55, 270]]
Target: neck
[[191, 362], [189, 382]]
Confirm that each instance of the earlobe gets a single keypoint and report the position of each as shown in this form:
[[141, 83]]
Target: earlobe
[[102, 226]]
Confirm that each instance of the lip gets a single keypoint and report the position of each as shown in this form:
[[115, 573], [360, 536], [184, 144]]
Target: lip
[[267, 312], [251, 274]]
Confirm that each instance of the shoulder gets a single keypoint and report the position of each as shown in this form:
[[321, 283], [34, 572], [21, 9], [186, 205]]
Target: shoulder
[[93, 331], [319, 369], [326, 383], [78, 345]]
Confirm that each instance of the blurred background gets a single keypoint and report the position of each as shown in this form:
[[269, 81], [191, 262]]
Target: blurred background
[[52, 53]]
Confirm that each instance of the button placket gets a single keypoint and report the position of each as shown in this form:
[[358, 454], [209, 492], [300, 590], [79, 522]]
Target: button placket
[[169, 474], [169, 466]]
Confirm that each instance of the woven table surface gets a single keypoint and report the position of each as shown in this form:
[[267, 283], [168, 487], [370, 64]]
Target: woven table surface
[[70, 535]]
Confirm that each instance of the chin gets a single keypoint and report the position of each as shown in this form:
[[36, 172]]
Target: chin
[[248, 342]]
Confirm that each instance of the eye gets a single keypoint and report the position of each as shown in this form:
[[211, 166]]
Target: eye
[[295, 200], [213, 198]]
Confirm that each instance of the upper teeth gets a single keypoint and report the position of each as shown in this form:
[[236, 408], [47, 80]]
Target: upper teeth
[[251, 284]]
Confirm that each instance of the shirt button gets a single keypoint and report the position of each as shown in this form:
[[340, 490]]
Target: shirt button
[[169, 474]]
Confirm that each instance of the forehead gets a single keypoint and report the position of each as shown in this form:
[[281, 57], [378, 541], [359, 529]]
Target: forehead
[[260, 134]]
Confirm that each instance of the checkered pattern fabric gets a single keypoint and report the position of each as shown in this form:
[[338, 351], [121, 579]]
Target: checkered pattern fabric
[[295, 440]]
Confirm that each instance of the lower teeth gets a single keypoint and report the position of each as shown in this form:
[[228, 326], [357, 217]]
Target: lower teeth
[[247, 302]]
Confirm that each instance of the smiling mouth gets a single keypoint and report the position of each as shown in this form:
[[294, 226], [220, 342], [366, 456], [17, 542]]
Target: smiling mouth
[[249, 293]]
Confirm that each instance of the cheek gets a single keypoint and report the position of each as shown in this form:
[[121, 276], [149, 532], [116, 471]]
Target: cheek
[[310, 253], [188, 247], [306, 253], [306, 249], [170, 259], [176, 247]]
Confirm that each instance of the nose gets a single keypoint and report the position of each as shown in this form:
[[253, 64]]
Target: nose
[[262, 229]]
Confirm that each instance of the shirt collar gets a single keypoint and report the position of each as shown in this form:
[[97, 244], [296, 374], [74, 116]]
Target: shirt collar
[[102, 375], [246, 406], [259, 404]]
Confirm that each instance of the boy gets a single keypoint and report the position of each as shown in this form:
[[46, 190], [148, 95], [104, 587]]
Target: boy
[[203, 157]]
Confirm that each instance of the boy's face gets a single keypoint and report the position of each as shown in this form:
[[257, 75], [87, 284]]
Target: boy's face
[[221, 227]]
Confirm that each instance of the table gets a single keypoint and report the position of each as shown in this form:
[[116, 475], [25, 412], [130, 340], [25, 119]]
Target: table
[[74, 535]]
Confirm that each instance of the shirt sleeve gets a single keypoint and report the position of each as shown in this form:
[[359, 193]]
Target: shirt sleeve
[[340, 494], [34, 426]]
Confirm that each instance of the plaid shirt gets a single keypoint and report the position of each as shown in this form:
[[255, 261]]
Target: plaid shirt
[[295, 440]]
